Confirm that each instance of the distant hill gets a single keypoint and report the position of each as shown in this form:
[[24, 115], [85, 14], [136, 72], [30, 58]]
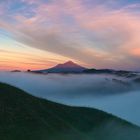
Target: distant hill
[[25, 117], [99, 71], [121, 73], [15, 71], [68, 67]]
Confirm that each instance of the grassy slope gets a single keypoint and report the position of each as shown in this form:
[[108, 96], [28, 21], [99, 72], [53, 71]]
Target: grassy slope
[[24, 117]]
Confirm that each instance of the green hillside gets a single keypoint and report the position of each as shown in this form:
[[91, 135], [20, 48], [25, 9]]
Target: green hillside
[[24, 117]]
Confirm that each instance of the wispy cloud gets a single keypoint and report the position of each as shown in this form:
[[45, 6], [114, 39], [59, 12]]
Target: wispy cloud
[[93, 32]]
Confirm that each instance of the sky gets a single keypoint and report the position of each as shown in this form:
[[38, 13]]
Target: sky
[[37, 34]]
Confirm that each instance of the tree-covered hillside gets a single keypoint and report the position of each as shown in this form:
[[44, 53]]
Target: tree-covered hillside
[[24, 117]]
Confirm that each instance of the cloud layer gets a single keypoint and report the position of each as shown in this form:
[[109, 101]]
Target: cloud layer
[[97, 33]]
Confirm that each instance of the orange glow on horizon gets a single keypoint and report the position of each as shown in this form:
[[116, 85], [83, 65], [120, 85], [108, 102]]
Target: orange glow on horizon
[[28, 58], [136, 51]]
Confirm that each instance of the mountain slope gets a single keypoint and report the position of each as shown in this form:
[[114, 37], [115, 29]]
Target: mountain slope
[[120, 73], [68, 67], [23, 116]]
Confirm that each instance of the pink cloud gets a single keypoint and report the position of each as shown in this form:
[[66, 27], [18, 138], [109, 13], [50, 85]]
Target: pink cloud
[[31, 1], [118, 24], [117, 30]]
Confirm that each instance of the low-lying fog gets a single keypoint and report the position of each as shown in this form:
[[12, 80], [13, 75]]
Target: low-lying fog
[[117, 95]]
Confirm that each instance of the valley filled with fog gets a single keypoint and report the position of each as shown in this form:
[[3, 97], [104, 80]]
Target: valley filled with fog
[[117, 95]]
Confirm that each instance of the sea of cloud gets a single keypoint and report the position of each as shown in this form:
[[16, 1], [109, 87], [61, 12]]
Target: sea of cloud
[[116, 95]]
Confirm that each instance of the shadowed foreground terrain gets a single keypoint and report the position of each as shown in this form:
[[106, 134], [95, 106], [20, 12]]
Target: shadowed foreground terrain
[[25, 117]]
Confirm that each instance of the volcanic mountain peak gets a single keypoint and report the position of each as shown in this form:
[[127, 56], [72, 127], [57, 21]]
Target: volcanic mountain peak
[[68, 64], [67, 67]]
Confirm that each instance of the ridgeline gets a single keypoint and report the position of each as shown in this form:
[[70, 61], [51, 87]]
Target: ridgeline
[[25, 117]]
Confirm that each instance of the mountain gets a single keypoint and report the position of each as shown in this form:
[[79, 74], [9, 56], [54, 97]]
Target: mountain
[[68, 67], [23, 116], [71, 67], [99, 71], [121, 73], [15, 71]]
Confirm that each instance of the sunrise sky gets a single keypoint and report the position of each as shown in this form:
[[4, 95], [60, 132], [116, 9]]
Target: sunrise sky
[[36, 34]]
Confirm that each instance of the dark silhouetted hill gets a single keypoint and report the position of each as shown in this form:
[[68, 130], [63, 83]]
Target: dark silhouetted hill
[[25, 117]]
